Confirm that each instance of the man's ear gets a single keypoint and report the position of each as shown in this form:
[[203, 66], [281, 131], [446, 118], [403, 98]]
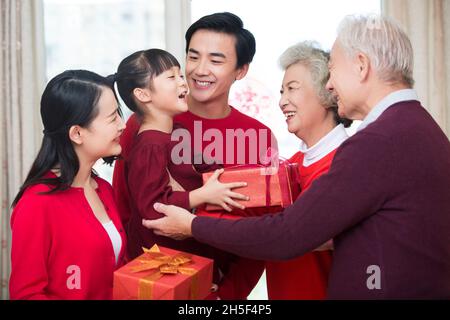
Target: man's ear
[[242, 71], [142, 95], [363, 65], [75, 135]]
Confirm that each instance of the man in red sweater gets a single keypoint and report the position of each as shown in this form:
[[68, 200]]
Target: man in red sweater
[[219, 51]]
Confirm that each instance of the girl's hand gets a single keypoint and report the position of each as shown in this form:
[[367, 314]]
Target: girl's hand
[[215, 192]]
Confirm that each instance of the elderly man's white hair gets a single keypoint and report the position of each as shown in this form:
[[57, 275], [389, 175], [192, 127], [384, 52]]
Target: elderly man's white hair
[[383, 41]]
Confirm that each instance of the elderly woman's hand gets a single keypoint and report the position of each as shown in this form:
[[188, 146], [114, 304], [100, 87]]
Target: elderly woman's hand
[[176, 224]]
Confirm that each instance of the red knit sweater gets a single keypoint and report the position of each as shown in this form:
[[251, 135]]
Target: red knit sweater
[[60, 250], [306, 277], [243, 274]]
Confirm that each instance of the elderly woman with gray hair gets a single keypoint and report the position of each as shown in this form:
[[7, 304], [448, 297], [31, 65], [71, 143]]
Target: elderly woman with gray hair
[[312, 115]]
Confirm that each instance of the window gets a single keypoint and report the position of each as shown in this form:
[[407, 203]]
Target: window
[[97, 35]]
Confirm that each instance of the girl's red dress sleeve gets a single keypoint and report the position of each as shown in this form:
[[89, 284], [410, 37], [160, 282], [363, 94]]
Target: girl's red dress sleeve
[[148, 181]]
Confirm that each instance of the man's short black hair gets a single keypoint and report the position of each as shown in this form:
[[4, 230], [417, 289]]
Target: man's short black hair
[[231, 24]]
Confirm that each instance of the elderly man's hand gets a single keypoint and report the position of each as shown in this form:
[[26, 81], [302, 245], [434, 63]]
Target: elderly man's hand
[[176, 224]]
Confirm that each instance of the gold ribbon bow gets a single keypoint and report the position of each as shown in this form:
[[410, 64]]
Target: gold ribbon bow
[[164, 265]]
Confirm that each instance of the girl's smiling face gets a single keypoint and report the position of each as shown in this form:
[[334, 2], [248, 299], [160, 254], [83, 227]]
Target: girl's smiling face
[[169, 91]]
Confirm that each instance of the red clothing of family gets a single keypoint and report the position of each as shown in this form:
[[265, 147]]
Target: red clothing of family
[[306, 277], [373, 196], [236, 127], [147, 169], [196, 127], [57, 241], [148, 182], [254, 150], [241, 275]]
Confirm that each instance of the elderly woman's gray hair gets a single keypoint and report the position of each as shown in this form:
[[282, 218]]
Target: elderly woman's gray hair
[[383, 41], [310, 55]]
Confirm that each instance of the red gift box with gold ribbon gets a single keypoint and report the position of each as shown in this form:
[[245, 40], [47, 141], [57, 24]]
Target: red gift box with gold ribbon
[[270, 188], [164, 274]]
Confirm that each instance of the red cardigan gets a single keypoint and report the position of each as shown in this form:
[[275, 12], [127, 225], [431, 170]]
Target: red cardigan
[[60, 250], [305, 277]]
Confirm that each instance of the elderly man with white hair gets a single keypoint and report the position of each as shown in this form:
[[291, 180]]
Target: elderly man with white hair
[[385, 200]]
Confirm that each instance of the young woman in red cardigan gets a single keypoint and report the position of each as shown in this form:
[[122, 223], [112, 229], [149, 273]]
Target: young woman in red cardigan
[[67, 237], [311, 114]]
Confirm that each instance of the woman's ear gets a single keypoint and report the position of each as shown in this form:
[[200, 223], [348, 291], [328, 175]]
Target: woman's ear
[[142, 95], [75, 135]]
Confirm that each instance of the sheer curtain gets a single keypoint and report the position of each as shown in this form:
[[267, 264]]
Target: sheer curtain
[[21, 84], [22, 80], [428, 26], [177, 21]]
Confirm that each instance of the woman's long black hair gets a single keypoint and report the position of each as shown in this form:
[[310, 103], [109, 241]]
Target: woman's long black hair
[[69, 99]]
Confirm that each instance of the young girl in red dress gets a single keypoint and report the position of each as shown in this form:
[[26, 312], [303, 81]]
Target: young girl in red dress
[[67, 237], [151, 84]]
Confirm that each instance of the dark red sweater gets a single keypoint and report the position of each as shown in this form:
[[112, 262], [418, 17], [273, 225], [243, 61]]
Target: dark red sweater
[[241, 275], [148, 182], [386, 203], [234, 121], [146, 169]]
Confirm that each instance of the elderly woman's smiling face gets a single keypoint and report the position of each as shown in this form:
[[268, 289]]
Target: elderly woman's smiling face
[[299, 101]]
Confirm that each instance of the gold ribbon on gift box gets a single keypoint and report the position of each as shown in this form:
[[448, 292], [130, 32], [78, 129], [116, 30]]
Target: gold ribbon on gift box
[[163, 264]]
